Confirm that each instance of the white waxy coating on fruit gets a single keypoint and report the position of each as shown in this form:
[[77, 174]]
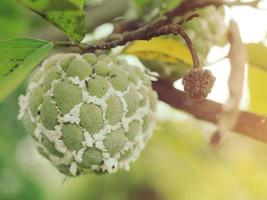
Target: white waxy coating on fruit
[[88, 113]]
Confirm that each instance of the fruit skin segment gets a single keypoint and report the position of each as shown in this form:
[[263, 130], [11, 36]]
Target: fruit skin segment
[[89, 113]]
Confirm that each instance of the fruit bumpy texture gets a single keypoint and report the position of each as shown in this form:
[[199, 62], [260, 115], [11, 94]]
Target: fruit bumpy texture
[[198, 83], [89, 113]]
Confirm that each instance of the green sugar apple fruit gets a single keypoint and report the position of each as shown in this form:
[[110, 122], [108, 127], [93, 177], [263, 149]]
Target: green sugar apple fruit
[[89, 113]]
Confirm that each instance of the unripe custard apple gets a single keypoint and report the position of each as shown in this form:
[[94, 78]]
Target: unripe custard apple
[[89, 113]]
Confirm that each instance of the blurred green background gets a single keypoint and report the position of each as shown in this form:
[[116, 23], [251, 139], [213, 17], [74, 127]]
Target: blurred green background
[[177, 163]]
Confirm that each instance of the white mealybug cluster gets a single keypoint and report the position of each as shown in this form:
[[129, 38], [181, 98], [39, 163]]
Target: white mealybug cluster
[[89, 113]]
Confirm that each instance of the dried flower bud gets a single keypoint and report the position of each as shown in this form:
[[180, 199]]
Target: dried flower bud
[[198, 83]]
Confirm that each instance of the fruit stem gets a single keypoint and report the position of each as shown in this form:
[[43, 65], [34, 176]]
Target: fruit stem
[[196, 63]]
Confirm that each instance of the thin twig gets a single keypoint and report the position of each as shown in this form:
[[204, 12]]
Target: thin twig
[[65, 44], [131, 36]]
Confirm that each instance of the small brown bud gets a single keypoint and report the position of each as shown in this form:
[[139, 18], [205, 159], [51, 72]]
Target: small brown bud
[[198, 83]]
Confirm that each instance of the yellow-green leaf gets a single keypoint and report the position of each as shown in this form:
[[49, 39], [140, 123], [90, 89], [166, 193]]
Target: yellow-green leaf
[[257, 77], [257, 85], [257, 54], [165, 55]]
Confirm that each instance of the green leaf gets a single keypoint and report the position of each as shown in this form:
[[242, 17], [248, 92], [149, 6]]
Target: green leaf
[[257, 55], [12, 19], [68, 15], [18, 57]]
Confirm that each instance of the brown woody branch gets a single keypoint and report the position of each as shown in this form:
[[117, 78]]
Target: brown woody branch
[[249, 124]]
